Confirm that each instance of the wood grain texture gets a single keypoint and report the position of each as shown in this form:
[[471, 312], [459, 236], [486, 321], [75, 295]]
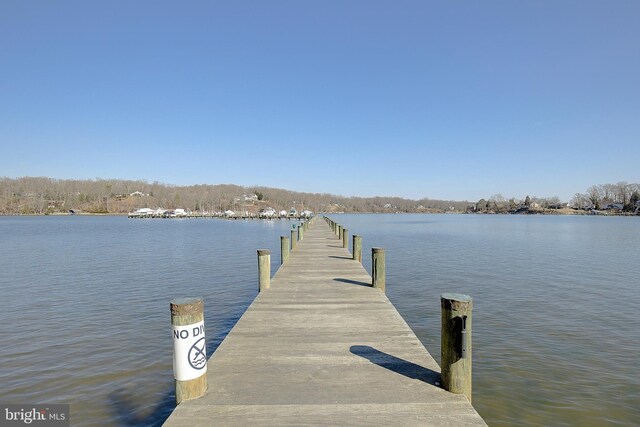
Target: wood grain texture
[[456, 367]]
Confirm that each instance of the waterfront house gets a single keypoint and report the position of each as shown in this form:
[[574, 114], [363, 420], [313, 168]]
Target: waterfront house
[[613, 207]]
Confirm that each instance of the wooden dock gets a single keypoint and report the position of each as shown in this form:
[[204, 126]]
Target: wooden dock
[[322, 347]]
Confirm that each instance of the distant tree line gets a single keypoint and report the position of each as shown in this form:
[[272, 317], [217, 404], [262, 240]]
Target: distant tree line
[[41, 195], [622, 196], [499, 204]]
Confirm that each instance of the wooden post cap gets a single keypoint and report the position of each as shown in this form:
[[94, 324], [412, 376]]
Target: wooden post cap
[[262, 252], [456, 302], [186, 306]]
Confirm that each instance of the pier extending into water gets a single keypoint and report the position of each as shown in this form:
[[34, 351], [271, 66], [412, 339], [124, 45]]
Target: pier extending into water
[[321, 346]]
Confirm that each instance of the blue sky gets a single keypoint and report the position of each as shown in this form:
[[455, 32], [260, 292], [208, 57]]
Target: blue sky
[[450, 100]]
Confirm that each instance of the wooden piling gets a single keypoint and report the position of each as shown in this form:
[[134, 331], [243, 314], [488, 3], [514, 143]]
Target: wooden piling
[[345, 238], [378, 268], [294, 238], [300, 232], [455, 340], [284, 249], [264, 269], [357, 248], [189, 348]]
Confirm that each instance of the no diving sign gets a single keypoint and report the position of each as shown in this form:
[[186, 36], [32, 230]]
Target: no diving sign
[[189, 351]]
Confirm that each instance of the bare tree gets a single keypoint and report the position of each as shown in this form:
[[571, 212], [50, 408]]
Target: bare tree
[[593, 193]]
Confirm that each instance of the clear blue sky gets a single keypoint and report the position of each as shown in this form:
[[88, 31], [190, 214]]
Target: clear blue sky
[[451, 99]]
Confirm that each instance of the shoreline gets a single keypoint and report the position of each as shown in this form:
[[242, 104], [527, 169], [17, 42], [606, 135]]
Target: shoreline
[[534, 212]]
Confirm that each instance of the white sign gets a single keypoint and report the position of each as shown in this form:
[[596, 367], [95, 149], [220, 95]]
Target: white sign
[[189, 351]]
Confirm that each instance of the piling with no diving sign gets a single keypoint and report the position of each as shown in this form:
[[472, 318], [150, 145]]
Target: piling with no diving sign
[[189, 348]]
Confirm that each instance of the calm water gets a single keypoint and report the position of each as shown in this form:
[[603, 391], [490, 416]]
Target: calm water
[[556, 306]]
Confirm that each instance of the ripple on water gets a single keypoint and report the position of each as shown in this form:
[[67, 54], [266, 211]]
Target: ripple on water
[[556, 306]]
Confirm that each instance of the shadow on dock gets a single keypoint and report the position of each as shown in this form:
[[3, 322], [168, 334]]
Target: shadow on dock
[[397, 365], [352, 282], [340, 257]]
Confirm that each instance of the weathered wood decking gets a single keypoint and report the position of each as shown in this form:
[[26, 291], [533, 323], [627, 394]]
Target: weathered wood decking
[[321, 347]]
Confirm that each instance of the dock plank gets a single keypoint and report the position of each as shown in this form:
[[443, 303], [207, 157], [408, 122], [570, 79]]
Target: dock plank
[[322, 347]]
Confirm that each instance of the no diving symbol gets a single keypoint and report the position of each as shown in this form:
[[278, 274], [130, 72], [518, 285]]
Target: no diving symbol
[[197, 355]]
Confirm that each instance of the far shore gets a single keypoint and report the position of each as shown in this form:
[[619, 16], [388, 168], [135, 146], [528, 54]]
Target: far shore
[[559, 212]]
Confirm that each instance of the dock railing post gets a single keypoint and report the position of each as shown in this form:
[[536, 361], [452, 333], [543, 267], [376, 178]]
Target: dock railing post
[[284, 249], [357, 248], [189, 348], [294, 238], [378, 268], [345, 238], [300, 232], [339, 233], [455, 341], [264, 269]]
